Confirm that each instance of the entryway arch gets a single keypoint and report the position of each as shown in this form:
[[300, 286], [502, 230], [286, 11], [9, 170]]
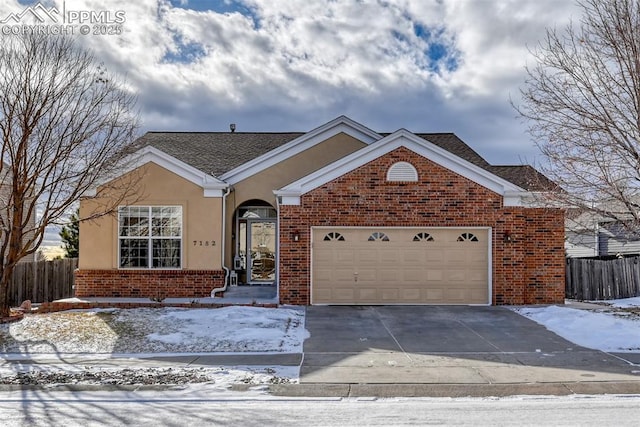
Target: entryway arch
[[255, 245]]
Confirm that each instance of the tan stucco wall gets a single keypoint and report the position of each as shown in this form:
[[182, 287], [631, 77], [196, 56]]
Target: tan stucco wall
[[261, 185], [201, 222]]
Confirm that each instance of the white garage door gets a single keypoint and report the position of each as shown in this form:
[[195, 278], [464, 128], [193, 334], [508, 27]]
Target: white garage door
[[400, 266]]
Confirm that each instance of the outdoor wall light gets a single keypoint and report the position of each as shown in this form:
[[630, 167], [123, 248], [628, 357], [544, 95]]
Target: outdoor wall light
[[508, 238], [295, 236]]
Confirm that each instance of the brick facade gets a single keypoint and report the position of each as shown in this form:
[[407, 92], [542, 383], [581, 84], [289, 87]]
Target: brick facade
[[154, 284], [526, 270]]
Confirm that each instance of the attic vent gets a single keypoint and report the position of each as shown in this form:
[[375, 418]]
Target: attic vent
[[402, 171]]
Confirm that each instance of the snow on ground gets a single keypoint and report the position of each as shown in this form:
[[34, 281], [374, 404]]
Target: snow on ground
[[624, 303], [126, 334], [157, 330], [602, 329], [218, 378]]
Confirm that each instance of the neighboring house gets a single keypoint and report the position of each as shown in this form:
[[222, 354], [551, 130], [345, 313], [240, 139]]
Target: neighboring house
[[338, 215], [581, 234], [4, 178], [588, 235]]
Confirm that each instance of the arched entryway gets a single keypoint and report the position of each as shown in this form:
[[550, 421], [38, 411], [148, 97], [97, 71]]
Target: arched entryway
[[255, 250]]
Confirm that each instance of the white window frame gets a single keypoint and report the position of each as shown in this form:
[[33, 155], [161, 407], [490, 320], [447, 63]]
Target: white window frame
[[150, 238]]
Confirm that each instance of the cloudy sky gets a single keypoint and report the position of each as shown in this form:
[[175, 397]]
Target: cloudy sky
[[292, 65]]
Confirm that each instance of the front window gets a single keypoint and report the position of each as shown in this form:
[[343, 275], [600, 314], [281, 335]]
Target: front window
[[150, 236]]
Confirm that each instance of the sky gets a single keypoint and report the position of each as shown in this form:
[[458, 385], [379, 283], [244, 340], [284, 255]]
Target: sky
[[293, 65]]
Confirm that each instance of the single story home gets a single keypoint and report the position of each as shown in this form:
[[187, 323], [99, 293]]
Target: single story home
[[337, 215]]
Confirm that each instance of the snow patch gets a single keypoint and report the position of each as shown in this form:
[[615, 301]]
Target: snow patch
[[624, 303], [598, 330]]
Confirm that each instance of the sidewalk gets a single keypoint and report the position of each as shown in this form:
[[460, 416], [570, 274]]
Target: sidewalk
[[423, 376]]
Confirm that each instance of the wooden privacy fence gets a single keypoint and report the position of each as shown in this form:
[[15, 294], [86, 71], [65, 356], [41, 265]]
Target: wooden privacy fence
[[42, 281], [602, 279]]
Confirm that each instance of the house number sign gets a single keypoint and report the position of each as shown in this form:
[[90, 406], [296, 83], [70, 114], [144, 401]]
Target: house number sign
[[204, 243]]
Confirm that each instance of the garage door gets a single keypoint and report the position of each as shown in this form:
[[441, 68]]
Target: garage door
[[400, 266]]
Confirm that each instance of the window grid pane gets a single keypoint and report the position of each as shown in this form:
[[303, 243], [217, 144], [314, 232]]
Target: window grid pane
[[166, 253], [134, 253], [166, 221], [134, 221]]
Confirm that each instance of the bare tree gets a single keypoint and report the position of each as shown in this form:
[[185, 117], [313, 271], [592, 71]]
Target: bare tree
[[582, 102], [66, 126]]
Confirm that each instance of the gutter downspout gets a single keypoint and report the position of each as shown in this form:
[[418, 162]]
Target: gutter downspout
[[224, 244], [278, 250]]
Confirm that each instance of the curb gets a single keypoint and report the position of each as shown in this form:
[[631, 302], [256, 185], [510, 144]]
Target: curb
[[325, 390], [452, 390]]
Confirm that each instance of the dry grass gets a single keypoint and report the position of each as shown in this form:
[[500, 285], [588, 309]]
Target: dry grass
[[147, 330]]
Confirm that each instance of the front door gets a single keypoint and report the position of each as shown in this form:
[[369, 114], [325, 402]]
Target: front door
[[256, 245], [262, 241]]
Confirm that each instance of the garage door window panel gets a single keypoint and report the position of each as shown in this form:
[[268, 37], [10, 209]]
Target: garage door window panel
[[467, 237], [378, 237], [423, 237], [333, 236]]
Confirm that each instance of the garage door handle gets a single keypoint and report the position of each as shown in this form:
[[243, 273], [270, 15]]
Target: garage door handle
[[355, 277]]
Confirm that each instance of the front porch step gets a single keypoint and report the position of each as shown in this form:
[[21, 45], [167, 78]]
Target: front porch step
[[247, 294]]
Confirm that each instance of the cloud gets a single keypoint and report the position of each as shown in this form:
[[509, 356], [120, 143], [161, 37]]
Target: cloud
[[447, 65]]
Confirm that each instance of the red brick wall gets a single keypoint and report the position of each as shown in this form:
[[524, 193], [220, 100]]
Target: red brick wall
[[530, 269], [155, 284]]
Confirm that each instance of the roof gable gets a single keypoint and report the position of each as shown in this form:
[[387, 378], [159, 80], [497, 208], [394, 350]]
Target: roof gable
[[341, 124], [211, 186], [291, 193]]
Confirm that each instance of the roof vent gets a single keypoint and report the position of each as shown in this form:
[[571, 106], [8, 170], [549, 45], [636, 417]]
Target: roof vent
[[232, 126], [402, 172]]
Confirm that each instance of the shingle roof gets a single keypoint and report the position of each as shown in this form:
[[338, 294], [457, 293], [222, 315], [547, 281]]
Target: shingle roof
[[216, 153], [524, 176], [455, 145]]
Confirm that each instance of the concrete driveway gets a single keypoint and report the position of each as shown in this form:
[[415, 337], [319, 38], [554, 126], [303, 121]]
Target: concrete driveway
[[452, 345]]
